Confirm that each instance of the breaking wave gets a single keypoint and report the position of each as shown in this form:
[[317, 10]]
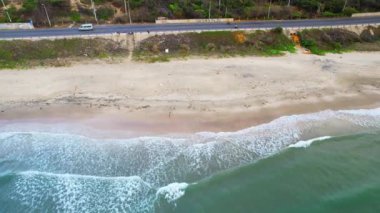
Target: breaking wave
[[305, 144]]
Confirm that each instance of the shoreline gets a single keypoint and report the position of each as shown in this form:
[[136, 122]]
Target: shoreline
[[182, 97], [118, 124]]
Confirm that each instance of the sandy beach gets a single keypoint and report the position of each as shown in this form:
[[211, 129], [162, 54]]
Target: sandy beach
[[191, 95]]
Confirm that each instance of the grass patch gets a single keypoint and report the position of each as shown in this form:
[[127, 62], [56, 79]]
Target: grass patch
[[216, 43], [159, 58], [322, 41], [23, 53]]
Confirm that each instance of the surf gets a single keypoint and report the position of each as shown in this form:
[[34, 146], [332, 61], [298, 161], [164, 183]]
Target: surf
[[161, 168]]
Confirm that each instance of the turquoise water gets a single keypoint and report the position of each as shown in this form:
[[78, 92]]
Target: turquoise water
[[267, 168], [336, 175]]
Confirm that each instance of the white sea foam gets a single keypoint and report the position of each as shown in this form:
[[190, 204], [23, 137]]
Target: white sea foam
[[172, 192], [31, 173], [307, 143], [366, 112], [82, 193]]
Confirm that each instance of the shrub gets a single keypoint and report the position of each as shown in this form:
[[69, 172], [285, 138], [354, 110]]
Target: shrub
[[239, 37], [184, 48], [105, 13], [5, 55], [173, 7], [348, 11], [121, 19], [210, 46], [329, 14], [119, 4], [57, 3], [297, 15], [308, 5], [29, 6], [176, 9], [200, 13], [155, 48], [337, 45], [75, 16], [277, 30], [85, 11], [308, 43], [14, 13], [249, 12], [267, 39], [367, 36]]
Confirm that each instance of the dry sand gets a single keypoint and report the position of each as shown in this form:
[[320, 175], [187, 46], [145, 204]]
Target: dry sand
[[191, 95]]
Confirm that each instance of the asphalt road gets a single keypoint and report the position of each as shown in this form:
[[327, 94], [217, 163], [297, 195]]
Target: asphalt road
[[104, 29]]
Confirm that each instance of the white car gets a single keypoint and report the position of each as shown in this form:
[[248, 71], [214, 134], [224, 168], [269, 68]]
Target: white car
[[86, 27]]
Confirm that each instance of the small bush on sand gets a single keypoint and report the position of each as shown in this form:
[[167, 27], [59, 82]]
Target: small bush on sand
[[239, 37], [185, 48], [211, 47]]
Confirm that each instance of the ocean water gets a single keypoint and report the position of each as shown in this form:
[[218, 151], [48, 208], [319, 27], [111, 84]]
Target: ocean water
[[340, 174], [274, 167]]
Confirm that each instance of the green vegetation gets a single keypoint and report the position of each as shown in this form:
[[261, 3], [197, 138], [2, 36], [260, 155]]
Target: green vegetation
[[61, 11], [75, 16], [322, 41], [217, 43], [270, 43], [348, 11], [105, 13], [29, 6], [17, 54]]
